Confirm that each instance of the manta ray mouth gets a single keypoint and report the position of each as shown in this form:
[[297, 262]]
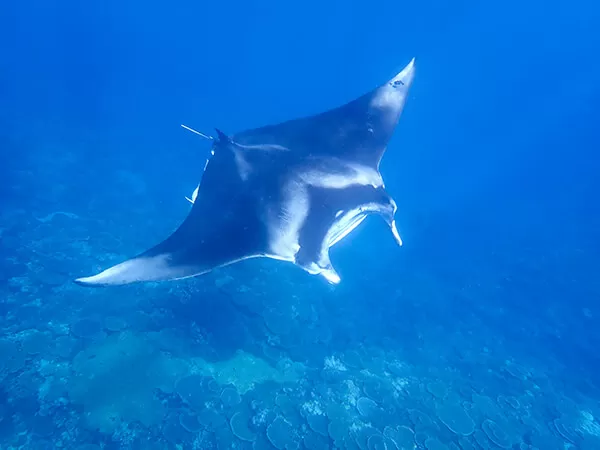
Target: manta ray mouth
[[341, 228], [347, 223], [344, 223]]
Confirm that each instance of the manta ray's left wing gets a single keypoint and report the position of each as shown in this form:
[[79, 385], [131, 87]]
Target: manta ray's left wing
[[221, 228]]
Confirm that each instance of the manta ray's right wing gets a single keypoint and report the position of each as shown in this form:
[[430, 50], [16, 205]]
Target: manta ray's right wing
[[358, 131]]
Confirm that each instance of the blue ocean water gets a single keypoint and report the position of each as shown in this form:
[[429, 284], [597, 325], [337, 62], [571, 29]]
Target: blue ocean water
[[481, 332]]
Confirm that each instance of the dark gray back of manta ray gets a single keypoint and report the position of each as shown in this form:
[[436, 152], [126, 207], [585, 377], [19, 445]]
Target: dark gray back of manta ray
[[354, 132]]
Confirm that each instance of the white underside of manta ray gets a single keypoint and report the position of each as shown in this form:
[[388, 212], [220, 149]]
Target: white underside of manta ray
[[288, 191]]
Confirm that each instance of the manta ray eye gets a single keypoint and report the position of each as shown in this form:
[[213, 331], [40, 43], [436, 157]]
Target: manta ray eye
[[398, 83]]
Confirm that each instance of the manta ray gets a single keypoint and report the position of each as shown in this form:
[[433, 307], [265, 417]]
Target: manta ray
[[288, 191]]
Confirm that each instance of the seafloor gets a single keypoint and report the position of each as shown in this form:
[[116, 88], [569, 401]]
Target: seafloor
[[260, 355]]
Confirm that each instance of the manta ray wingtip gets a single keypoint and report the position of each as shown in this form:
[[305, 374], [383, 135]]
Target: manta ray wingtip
[[87, 282], [406, 75]]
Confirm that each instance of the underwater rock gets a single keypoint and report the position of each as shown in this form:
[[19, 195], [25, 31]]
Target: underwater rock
[[271, 353], [281, 434], [224, 438], [437, 389], [467, 443], [190, 422], [375, 390], [496, 434], [174, 432], [362, 434], [376, 443], [16, 362], [114, 323], [210, 418], [542, 440], [239, 427], [261, 443], [261, 403], [379, 442], [11, 358], [41, 444], [482, 440], [510, 401], [421, 420], [51, 277], [318, 423], [352, 359], [376, 364], [421, 437], [191, 390], [517, 370], [340, 421], [245, 371], [334, 371], [434, 444], [42, 426], [230, 397], [399, 368], [367, 407], [276, 322], [141, 321], [212, 386], [291, 343], [565, 429], [115, 380], [322, 333], [35, 342], [27, 384], [456, 419], [337, 430], [588, 429], [87, 329], [348, 443], [287, 405], [523, 446], [64, 346], [403, 437], [53, 391], [315, 441], [485, 406]]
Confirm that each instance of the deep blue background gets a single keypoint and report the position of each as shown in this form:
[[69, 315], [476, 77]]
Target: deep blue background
[[494, 165]]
